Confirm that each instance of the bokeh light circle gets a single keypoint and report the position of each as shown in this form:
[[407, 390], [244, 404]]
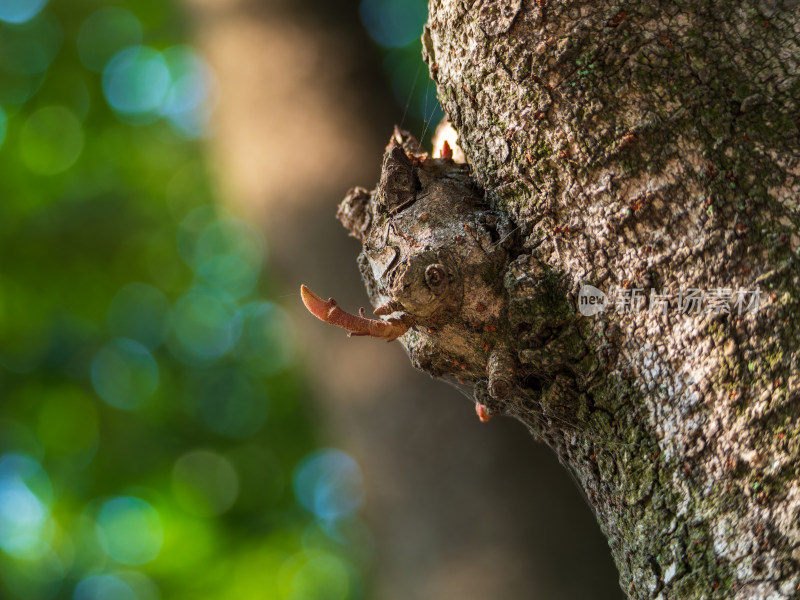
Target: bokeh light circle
[[329, 484], [268, 345], [140, 312], [229, 273], [228, 401], [25, 492], [393, 23], [19, 11], [32, 46], [51, 140], [187, 103], [204, 483], [104, 587], [190, 229], [136, 81], [104, 33], [124, 374], [228, 254], [144, 587], [230, 236], [205, 325], [129, 530], [322, 577], [116, 585], [351, 533]]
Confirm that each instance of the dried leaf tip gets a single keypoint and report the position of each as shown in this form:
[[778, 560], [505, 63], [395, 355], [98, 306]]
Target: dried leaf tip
[[482, 412], [328, 311], [316, 305]]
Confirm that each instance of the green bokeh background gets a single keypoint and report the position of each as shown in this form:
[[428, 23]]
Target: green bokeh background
[[155, 438]]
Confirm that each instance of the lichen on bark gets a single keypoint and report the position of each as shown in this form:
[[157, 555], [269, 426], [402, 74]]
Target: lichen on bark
[[641, 145]]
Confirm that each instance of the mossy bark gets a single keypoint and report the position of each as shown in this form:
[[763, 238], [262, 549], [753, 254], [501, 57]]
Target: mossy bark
[[651, 145]]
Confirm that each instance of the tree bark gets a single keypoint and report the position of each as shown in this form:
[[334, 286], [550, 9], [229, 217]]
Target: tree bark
[[645, 146]]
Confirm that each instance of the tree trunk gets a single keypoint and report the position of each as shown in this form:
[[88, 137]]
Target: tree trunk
[[650, 150]]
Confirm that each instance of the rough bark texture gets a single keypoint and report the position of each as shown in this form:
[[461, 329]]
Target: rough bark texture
[[630, 145]]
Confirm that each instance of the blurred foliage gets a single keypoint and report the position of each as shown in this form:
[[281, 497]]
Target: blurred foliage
[[153, 441], [396, 27]]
